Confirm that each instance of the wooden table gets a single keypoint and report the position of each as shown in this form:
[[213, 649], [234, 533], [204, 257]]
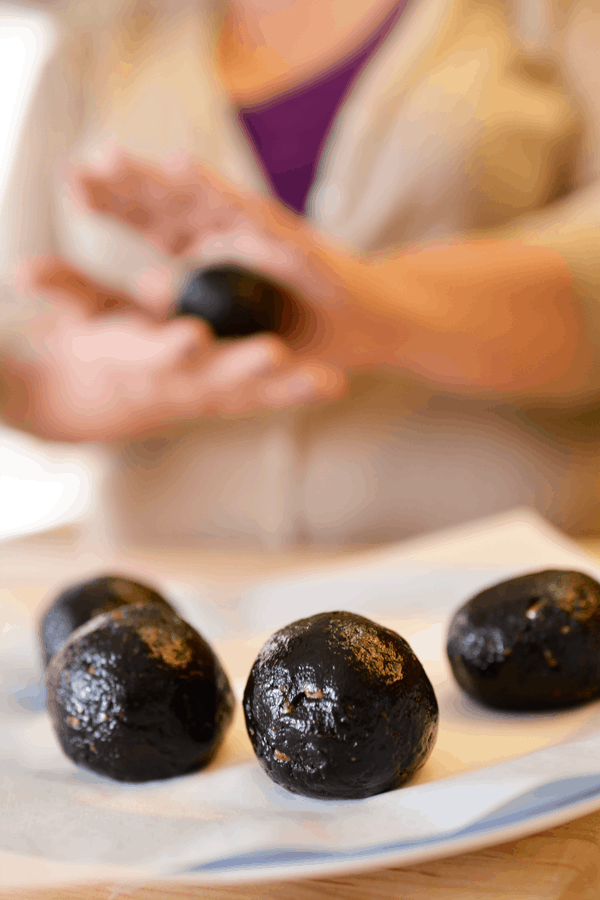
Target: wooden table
[[560, 864]]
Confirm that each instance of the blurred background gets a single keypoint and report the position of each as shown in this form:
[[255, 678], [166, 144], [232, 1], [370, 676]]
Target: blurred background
[[42, 485]]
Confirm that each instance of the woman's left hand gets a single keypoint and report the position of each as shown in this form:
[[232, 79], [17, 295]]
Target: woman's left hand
[[93, 366]]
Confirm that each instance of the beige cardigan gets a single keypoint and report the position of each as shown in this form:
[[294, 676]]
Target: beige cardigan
[[472, 118]]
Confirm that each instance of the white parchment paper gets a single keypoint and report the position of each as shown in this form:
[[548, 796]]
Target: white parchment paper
[[483, 761]]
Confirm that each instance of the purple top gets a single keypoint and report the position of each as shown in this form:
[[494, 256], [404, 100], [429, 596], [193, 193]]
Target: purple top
[[289, 131]]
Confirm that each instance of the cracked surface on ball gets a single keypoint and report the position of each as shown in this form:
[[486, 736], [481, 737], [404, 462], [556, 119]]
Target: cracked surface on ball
[[137, 695], [338, 707], [530, 643]]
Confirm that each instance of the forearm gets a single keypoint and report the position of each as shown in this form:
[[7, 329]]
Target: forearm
[[571, 229], [486, 315]]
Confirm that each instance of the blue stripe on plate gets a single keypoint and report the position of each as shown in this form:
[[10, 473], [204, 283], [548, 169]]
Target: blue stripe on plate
[[550, 797]]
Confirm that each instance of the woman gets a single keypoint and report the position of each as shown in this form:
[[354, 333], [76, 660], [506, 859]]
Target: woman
[[467, 122]]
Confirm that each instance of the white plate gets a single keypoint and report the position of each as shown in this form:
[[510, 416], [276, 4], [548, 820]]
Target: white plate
[[492, 777]]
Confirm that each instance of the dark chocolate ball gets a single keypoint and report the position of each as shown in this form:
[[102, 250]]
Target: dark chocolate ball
[[78, 604], [137, 695], [531, 643], [233, 301], [338, 707]]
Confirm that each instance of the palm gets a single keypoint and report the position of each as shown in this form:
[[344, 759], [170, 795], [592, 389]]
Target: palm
[[94, 367]]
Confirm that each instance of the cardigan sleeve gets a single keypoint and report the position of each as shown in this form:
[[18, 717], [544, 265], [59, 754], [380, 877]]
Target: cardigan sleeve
[[571, 224]]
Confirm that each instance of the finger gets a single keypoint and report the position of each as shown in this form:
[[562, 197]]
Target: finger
[[245, 359], [55, 278], [304, 383], [184, 210], [292, 385], [210, 384], [253, 374], [149, 289], [137, 205], [153, 289], [105, 383], [190, 211], [168, 207], [130, 347]]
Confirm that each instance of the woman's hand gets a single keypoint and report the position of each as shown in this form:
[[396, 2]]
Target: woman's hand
[[191, 213], [93, 366]]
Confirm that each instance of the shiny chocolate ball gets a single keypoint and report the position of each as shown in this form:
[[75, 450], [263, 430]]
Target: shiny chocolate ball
[[339, 707], [137, 695], [81, 602], [530, 643]]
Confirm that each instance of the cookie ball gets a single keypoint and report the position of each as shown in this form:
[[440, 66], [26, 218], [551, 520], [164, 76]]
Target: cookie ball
[[530, 643], [137, 695], [234, 301], [78, 604], [338, 707]]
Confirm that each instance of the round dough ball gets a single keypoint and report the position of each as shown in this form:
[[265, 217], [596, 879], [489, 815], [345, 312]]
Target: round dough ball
[[81, 602], [531, 643], [136, 694], [235, 302], [338, 707]]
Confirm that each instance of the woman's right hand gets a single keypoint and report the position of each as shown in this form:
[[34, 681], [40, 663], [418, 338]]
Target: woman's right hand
[[186, 211]]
